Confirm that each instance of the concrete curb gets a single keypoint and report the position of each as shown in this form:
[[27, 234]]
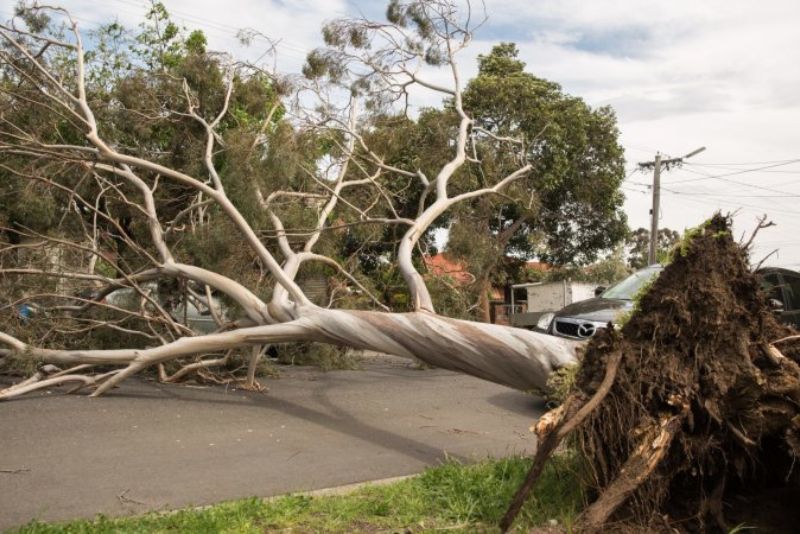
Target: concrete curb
[[346, 489]]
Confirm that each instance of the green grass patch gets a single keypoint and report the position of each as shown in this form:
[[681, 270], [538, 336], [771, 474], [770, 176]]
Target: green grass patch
[[460, 498]]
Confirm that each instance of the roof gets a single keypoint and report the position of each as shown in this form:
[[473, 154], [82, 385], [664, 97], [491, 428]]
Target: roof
[[538, 266], [442, 265]]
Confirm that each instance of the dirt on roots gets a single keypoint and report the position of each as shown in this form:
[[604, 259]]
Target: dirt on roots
[[702, 419], [688, 418]]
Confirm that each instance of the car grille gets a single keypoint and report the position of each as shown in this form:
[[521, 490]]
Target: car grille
[[566, 329], [576, 328]]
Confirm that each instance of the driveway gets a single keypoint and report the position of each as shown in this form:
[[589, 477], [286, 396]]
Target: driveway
[[147, 446]]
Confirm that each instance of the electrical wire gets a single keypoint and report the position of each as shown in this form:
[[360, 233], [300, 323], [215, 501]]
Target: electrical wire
[[705, 163], [734, 173], [722, 202]]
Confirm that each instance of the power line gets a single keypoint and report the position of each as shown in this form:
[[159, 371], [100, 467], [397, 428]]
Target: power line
[[723, 177], [703, 194], [715, 200], [743, 171], [634, 190], [630, 173], [732, 168], [790, 160], [722, 202]]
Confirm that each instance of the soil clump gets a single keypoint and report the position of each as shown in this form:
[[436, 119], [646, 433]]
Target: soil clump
[[690, 414]]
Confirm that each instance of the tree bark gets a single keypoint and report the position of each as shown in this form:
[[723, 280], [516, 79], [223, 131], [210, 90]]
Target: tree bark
[[514, 357]]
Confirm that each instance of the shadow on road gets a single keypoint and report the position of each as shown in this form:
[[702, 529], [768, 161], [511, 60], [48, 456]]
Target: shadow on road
[[333, 417], [519, 403]]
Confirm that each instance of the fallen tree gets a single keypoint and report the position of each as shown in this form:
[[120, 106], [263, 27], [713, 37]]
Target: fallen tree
[[45, 70], [690, 415]]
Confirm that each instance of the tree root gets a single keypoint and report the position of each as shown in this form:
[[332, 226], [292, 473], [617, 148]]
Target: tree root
[[704, 408], [575, 410], [640, 465]]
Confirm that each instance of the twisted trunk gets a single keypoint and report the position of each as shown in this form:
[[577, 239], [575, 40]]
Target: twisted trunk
[[510, 356]]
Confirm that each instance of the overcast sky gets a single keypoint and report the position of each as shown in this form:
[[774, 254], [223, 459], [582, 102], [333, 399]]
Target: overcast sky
[[681, 74]]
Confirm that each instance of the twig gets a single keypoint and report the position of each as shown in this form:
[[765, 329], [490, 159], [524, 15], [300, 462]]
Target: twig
[[15, 471], [761, 225], [123, 499], [765, 258]]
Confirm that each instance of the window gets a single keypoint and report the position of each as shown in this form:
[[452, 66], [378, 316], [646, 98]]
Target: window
[[792, 290], [771, 285]]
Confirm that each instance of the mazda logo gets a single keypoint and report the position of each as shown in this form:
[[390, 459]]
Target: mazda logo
[[586, 330]]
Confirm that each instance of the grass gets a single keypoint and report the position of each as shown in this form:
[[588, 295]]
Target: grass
[[455, 497]]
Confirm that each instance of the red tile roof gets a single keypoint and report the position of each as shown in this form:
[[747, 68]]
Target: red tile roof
[[441, 265]]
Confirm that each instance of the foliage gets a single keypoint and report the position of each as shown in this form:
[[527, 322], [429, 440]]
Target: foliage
[[568, 211], [326, 357], [449, 298], [152, 158], [571, 203], [461, 498], [133, 76], [560, 384], [608, 270], [639, 243]]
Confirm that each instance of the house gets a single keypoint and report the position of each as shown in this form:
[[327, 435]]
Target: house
[[443, 265], [499, 300]]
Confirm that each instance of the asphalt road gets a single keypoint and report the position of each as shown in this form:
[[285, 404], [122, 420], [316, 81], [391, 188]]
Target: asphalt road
[[148, 446]]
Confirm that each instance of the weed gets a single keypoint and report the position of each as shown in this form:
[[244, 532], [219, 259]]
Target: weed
[[559, 385]]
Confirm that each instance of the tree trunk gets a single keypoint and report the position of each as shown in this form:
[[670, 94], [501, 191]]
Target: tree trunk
[[514, 357], [484, 299]]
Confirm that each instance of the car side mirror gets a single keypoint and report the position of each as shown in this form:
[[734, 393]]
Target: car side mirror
[[599, 290], [776, 305]]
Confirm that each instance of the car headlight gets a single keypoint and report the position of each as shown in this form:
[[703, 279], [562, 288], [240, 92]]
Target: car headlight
[[545, 320]]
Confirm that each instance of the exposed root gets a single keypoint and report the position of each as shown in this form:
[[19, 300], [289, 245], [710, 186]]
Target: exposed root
[[795, 337], [762, 223], [703, 409], [574, 411], [639, 466]]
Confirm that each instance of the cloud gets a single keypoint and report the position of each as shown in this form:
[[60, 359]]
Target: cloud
[[623, 51]]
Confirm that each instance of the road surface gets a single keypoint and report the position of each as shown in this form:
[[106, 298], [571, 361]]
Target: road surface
[[148, 446]]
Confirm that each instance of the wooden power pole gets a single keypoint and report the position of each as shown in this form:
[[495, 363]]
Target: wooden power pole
[[651, 253], [656, 165]]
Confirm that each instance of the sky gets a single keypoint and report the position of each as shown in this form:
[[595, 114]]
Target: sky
[[723, 74]]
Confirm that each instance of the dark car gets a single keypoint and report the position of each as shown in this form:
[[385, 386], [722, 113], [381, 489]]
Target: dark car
[[783, 289], [580, 320]]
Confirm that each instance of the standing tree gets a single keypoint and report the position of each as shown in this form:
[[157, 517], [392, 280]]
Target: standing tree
[[568, 209], [639, 243], [144, 194]]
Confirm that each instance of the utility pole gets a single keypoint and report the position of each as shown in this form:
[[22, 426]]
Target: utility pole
[[656, 165], [651, 253]]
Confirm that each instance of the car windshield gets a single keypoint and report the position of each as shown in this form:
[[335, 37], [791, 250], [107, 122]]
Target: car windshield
[[626, 289]]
